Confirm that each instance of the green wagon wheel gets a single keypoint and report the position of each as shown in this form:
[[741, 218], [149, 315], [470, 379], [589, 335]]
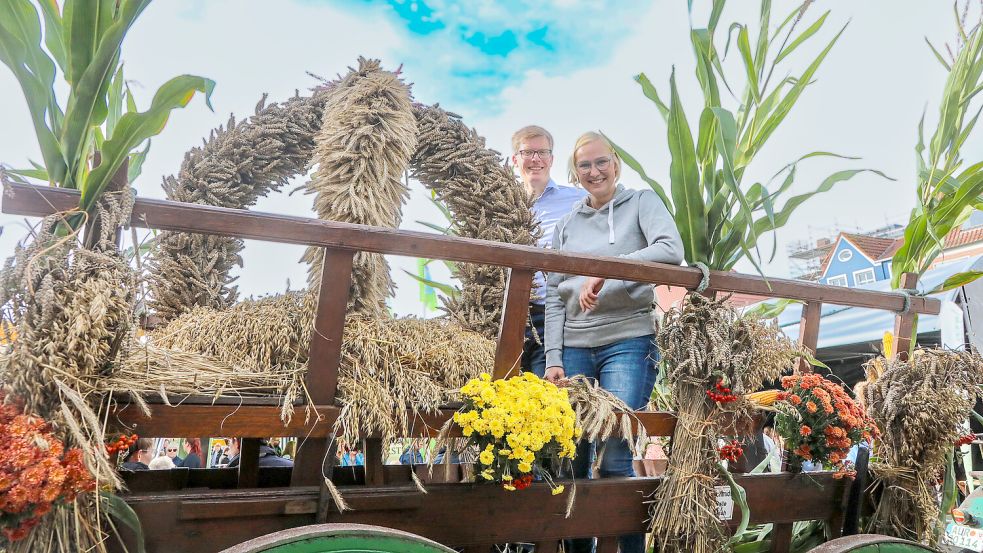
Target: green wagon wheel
[[871, 543], [339, 538]]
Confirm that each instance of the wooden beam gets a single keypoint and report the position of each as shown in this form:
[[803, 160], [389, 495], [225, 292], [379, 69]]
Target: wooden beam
[[248, 462], [21, 199], [809, 331], [264, 421], [904, 323], [329, 325], [512, 330]]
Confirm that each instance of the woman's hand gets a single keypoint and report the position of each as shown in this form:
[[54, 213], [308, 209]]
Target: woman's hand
[[554, 374], [589, 293]]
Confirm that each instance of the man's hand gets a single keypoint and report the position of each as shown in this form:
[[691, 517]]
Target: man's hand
[[554, 374], [589, 293]]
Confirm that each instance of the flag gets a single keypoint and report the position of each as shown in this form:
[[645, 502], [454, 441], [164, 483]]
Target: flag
[[428, 296]]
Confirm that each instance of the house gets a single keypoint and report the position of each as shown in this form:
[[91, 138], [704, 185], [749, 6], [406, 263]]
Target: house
[[859, 259]]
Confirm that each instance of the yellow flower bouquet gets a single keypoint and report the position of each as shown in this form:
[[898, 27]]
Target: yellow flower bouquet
[[517, 424]]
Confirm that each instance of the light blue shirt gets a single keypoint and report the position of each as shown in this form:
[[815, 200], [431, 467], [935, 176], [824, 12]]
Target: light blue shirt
[[555, 202]]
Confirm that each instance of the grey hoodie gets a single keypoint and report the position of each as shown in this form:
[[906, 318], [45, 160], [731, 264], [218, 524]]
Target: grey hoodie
[[635, 224]]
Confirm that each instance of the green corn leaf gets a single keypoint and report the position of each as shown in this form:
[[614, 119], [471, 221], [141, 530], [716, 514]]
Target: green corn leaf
[[685, 180], [650, 92], [761, 52], [715, 13], [744, 47], [771, 310], [763, 546], [703, 47], [121, 511], [788, 101], [115, 102], [54, 35], [637, 167], [804, 36], [449, 231], [85, 21], [447, 289], [950, 493], [134, 128], [955, 281], [39, 174], [87, 107], [740, 499], [938, 56], [135, 166]]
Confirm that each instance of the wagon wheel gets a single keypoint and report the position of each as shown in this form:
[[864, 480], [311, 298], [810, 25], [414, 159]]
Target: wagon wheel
[[339, 538], [871, 543]]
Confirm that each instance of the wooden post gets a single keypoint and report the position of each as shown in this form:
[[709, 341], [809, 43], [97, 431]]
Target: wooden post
[[248, 462], [809, 331], [324, 496], [904, 323], [512, 331], [93, 228], [374, 473], [324, 357]]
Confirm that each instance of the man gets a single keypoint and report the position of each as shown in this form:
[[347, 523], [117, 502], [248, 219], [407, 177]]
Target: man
[[140, 455], [532, 156], [267, 457]]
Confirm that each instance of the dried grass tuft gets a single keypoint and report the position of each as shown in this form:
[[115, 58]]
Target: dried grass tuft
[[914, 439], [362, 151]]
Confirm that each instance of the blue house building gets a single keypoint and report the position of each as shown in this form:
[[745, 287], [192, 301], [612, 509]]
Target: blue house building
[[856, 259]]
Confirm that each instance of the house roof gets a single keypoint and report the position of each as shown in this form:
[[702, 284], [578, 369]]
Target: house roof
[[873, 247], [881, 249]]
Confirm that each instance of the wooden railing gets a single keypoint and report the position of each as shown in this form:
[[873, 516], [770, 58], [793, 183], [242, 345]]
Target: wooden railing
[[341, 241]]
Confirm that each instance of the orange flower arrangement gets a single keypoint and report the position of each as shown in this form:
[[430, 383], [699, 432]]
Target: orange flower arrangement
[[821, 422], [37, 473]]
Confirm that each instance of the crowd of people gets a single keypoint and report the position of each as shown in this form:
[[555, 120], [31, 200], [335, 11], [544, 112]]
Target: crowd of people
[[169, 453]]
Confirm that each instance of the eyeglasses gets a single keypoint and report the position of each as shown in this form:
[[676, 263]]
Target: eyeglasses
[[529, 154], [602, 164], [171, 449]]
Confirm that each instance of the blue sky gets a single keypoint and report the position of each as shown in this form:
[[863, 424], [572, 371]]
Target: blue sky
[[473, 50]]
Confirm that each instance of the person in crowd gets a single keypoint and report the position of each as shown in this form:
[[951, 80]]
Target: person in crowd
[[216, 454], [532, 156], [411, 454], [192, 459], [139, 455], [277, 448], [170, 449], [267, 457], [603, 328], [161, 463]]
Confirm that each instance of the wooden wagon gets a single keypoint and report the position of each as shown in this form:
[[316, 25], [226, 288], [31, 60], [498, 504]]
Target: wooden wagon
[[214, 509]]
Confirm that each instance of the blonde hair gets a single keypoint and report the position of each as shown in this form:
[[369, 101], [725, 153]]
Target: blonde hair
[[527, 132], [583, 140]]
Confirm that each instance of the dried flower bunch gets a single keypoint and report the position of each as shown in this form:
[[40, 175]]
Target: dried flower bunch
[[713, 356], [362, 151], [915, 440], [236, 166], [820, 422], [37, 473], [518, 424], [486, 201]]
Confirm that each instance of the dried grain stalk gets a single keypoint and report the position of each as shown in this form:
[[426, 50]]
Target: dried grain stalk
[[486, 201], [362, 151], [703, 342], [236, 166], [915, 440], [73, 309]]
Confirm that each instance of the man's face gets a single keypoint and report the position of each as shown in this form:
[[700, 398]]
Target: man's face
[[534, 166], [233, 448]]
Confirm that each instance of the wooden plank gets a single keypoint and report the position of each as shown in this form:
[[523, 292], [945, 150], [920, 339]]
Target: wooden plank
[[20, 199], [310, 462], [512, 331], [324, 500], [329, 325], [809, 331], [248, 462], [204, 520], [374, 474], [547, 546], [904, 322], [264, 420], [781, 538]]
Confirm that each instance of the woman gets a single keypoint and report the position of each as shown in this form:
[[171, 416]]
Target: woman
[[193, 459], [603, 328]]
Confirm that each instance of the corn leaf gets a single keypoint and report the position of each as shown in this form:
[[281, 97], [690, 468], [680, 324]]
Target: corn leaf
[[634, 164], [86, 21], [54, 36], [685, 179], [134, 128], [135, 166], [744, 47], [770, 310], [447, 289], [740, 499], [87, 106], [650, 92], [799, 40], [955, 281], [120, 510]]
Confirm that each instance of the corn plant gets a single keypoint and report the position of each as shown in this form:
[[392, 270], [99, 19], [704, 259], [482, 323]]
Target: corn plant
[[719, 217], [947, 191], [82, 40]]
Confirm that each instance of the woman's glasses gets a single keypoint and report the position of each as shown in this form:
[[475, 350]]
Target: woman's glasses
[[171, 449], [602, 164]]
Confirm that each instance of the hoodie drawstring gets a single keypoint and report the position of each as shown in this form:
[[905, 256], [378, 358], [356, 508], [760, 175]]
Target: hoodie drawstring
[[611, 222]]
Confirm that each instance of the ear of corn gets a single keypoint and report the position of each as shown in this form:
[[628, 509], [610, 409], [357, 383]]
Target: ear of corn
[[765, 398]]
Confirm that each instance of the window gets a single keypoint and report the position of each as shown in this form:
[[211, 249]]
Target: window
[[844, 256], [864, 276], [887, 269], [838, 280]]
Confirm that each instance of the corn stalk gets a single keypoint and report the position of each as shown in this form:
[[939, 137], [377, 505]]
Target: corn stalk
[[947, 192], [719, 217]]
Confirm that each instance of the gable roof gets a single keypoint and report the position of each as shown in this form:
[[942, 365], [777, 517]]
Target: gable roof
[[872, 247]]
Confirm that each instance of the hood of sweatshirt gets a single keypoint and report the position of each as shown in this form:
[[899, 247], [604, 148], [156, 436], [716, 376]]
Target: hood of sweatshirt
[[621, 195]]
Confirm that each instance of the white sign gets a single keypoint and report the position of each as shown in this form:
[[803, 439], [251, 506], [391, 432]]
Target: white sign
[[964, 536], [725, 503]]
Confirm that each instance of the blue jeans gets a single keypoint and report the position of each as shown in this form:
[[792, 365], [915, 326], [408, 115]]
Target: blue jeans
[[627, 369], [533, 351]]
